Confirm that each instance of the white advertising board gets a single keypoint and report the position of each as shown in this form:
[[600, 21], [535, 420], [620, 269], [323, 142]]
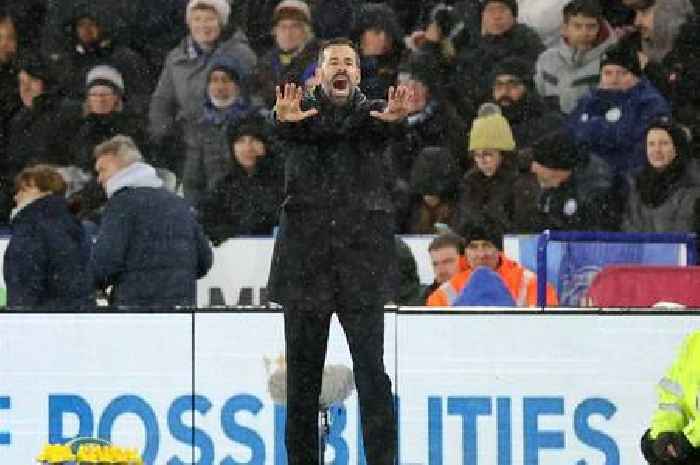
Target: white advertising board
[[472, 389]]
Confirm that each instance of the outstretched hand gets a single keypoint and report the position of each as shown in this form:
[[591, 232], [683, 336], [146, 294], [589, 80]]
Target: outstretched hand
[[288, 104], [397, 105]]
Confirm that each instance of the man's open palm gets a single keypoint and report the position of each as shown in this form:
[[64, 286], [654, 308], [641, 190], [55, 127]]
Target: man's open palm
[[396, 107], [288, 105]]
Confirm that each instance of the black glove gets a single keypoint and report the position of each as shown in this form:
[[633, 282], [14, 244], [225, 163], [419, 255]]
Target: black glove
[[680, 444]]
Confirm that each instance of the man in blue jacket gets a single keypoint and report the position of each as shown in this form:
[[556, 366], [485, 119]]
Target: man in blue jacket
[[611, 121], [150, 248]]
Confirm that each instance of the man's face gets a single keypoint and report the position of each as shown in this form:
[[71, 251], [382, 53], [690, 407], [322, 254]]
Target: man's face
[[221, 86], [581, 32], [88, 31], [289, 34], [8, 41], [204, 26], [29, 87], [660, 149], [375, 42], [338, 73], [445, 263], [488, 161], [102, 100], [482, 253], [246, 150], [644, 22], [615, 77], [106, 166], [496, 19], [508, 90], [549, 178]]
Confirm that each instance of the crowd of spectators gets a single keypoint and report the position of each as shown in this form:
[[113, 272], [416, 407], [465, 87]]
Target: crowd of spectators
[[597, 132]]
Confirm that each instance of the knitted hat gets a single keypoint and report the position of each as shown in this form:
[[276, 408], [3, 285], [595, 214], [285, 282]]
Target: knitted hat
[[229, 65], [480, 233], [556, 150], [251, 125], [512, 4], [490, 130], [623, 55], [222, 8], [104, 75], [517, 67], [36, 67], [679, 135], [435, 171], [292, 9]]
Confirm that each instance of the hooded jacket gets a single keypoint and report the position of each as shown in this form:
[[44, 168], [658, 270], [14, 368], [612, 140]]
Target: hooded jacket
[[568, 74], [46, 261], [149, 248], [669, 16]]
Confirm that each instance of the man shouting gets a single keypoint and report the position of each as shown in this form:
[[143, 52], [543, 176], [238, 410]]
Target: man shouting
[[335, 245]]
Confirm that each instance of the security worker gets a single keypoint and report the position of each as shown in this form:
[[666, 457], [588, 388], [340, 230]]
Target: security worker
[[674, 436], [483, 249]]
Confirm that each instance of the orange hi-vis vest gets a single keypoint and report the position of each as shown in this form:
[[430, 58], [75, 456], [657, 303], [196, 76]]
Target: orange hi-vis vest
[[521, 282]]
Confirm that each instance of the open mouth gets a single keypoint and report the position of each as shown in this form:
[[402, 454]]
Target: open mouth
[[340, 83]]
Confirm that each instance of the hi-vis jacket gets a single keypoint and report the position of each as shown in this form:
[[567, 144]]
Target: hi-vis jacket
[[678, 394], [521, 282]]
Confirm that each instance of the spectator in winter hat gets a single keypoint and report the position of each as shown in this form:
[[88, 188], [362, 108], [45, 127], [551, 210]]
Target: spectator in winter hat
[[207, 146], [103, 118], [664, 193], [176, 103], [611, 121], [502, 37], [247, 200], [37, 131], [432, 121], [434, 181], [380, 42], [294, 54], [494, 191], [570, 69], [90, 39], [566, 201], [528, 114], [484, 249]]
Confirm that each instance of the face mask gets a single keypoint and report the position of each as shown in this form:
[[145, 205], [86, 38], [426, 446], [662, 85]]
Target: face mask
[[223, 103]]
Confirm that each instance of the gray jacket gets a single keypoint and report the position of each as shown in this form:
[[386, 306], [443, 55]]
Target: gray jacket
[[676, 214], [565, 73], [182, 85]]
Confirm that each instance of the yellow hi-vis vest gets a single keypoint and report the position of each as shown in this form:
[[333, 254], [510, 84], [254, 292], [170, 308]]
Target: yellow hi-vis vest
[[678, 394]]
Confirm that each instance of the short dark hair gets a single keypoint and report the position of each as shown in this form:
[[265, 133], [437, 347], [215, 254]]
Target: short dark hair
[[448, 239], [44, 177], [338, 41], [587, 8]]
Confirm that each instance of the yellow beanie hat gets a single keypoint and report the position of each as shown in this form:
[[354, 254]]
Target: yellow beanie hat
[[490, 130]]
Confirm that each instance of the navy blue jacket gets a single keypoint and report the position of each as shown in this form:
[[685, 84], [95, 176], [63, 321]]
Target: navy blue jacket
[[150, 248], [46, 262]]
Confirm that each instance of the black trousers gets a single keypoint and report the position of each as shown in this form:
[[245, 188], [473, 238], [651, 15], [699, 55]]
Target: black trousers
[[306, 333]]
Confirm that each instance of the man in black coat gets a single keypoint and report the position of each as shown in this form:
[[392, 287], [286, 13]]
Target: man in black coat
[[150, 248], [334, 246]]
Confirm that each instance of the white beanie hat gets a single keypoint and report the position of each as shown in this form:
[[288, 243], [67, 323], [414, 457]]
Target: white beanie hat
[[105, 75], [222, 7]]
